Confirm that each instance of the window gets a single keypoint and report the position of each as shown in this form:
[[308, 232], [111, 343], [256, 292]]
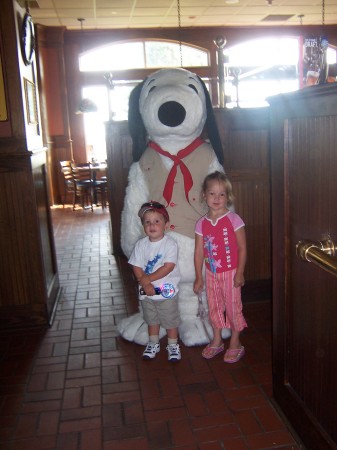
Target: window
[[145, 54], [94, 128], [261, 68], [123, 56]]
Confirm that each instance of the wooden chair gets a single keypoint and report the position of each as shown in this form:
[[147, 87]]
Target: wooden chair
[[68, 180], [83, 185]]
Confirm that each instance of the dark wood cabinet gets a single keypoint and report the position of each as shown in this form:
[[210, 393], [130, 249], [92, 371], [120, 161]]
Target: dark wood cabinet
[[304, 186]]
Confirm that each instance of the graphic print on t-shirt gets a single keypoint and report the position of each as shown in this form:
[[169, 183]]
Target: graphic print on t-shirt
[[220, 246], [227, 248], [211, 249], [151, 263]]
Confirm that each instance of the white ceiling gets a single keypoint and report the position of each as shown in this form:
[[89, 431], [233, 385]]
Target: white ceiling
[[103, 14]]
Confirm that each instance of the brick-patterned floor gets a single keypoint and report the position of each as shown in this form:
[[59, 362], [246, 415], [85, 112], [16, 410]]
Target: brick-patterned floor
[[78, 385]]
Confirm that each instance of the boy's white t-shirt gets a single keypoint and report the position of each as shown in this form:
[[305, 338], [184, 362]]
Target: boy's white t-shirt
[[150, 256]]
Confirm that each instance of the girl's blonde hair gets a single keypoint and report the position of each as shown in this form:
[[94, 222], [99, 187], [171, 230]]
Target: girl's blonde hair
[[220, 177]]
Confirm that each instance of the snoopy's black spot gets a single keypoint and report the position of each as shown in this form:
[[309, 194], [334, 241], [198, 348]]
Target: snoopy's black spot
[[171, 114]]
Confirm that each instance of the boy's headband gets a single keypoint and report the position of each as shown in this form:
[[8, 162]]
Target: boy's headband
[[153, 206]]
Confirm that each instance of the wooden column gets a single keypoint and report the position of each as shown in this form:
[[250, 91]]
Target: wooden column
[[29, 285]]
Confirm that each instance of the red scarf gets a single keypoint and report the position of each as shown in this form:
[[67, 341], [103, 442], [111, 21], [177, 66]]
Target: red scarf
[[177, 161]]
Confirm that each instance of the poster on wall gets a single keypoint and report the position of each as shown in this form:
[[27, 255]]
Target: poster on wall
[[315, 67], [3, 107]]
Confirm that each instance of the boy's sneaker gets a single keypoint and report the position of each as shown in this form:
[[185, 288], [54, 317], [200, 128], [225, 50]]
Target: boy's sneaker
[[173, 352], [151, 350]]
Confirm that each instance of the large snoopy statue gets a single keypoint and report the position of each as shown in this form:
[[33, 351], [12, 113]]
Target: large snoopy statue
[[168, 113]]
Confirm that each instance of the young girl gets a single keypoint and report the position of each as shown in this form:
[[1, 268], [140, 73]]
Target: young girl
[[220, 241]]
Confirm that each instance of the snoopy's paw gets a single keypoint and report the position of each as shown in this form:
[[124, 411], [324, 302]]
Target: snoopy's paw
[[226, 333], [134, 329], [195, 331]]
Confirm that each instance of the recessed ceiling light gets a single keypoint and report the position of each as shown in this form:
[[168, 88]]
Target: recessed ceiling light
[[232, 1]]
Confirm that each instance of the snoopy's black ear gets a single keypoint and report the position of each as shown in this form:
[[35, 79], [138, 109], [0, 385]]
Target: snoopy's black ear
[[211, 126], [136, 126]]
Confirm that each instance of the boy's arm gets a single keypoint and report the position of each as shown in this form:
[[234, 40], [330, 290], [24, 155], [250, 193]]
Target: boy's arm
[[161, 272], [138, 272], [143, 281], [239, 279], [198, 263]]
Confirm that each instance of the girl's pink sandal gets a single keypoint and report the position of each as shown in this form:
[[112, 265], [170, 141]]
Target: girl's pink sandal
[[234, 355], [209, 352]]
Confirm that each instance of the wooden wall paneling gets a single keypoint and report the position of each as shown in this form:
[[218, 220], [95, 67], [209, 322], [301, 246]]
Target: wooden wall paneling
[[60, 151], [54, 97], [253, 205], [50, 46], [23, 290], [245, 138], [40, 179], [119, 160], [73, 80]]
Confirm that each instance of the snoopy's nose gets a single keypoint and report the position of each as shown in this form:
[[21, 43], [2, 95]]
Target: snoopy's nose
[[171, 114]]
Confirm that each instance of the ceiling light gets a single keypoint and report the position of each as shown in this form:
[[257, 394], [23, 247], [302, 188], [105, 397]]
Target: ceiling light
[[86, 105], [232, 1]]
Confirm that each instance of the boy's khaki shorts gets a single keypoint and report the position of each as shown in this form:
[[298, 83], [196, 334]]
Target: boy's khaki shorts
[[162, 312]]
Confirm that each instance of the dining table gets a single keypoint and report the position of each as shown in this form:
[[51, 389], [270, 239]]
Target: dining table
[[98, 170]]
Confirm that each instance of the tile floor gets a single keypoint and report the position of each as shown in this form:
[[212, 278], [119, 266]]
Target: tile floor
[[78, 385]]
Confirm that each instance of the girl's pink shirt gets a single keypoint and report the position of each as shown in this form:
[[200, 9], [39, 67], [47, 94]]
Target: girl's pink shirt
[[220, 244]]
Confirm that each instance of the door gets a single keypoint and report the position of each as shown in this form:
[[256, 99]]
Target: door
[[304, 208]]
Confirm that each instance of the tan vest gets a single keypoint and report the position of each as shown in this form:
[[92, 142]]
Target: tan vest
[[183, 214]]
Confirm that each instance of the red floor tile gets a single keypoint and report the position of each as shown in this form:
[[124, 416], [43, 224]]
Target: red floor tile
[[79, 386]]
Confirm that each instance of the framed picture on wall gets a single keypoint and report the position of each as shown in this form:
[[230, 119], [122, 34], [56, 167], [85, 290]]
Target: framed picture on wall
[[31, 106], [3, 107], [28, 39]]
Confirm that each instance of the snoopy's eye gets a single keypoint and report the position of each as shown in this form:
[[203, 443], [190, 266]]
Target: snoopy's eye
[[152, 89], [193, 87]]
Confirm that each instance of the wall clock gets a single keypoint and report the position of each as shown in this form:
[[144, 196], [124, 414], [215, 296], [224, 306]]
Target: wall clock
[[28, 39]]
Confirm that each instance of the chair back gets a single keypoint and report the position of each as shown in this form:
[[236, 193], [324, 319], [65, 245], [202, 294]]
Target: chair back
[[68, 181], [81, 173], [83, 184], [65, 164], [67, 174]]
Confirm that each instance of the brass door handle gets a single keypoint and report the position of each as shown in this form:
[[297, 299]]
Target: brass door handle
[[320, 253]]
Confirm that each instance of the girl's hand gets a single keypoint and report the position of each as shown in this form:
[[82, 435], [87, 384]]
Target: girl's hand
[[198, 286], [239, 280]]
